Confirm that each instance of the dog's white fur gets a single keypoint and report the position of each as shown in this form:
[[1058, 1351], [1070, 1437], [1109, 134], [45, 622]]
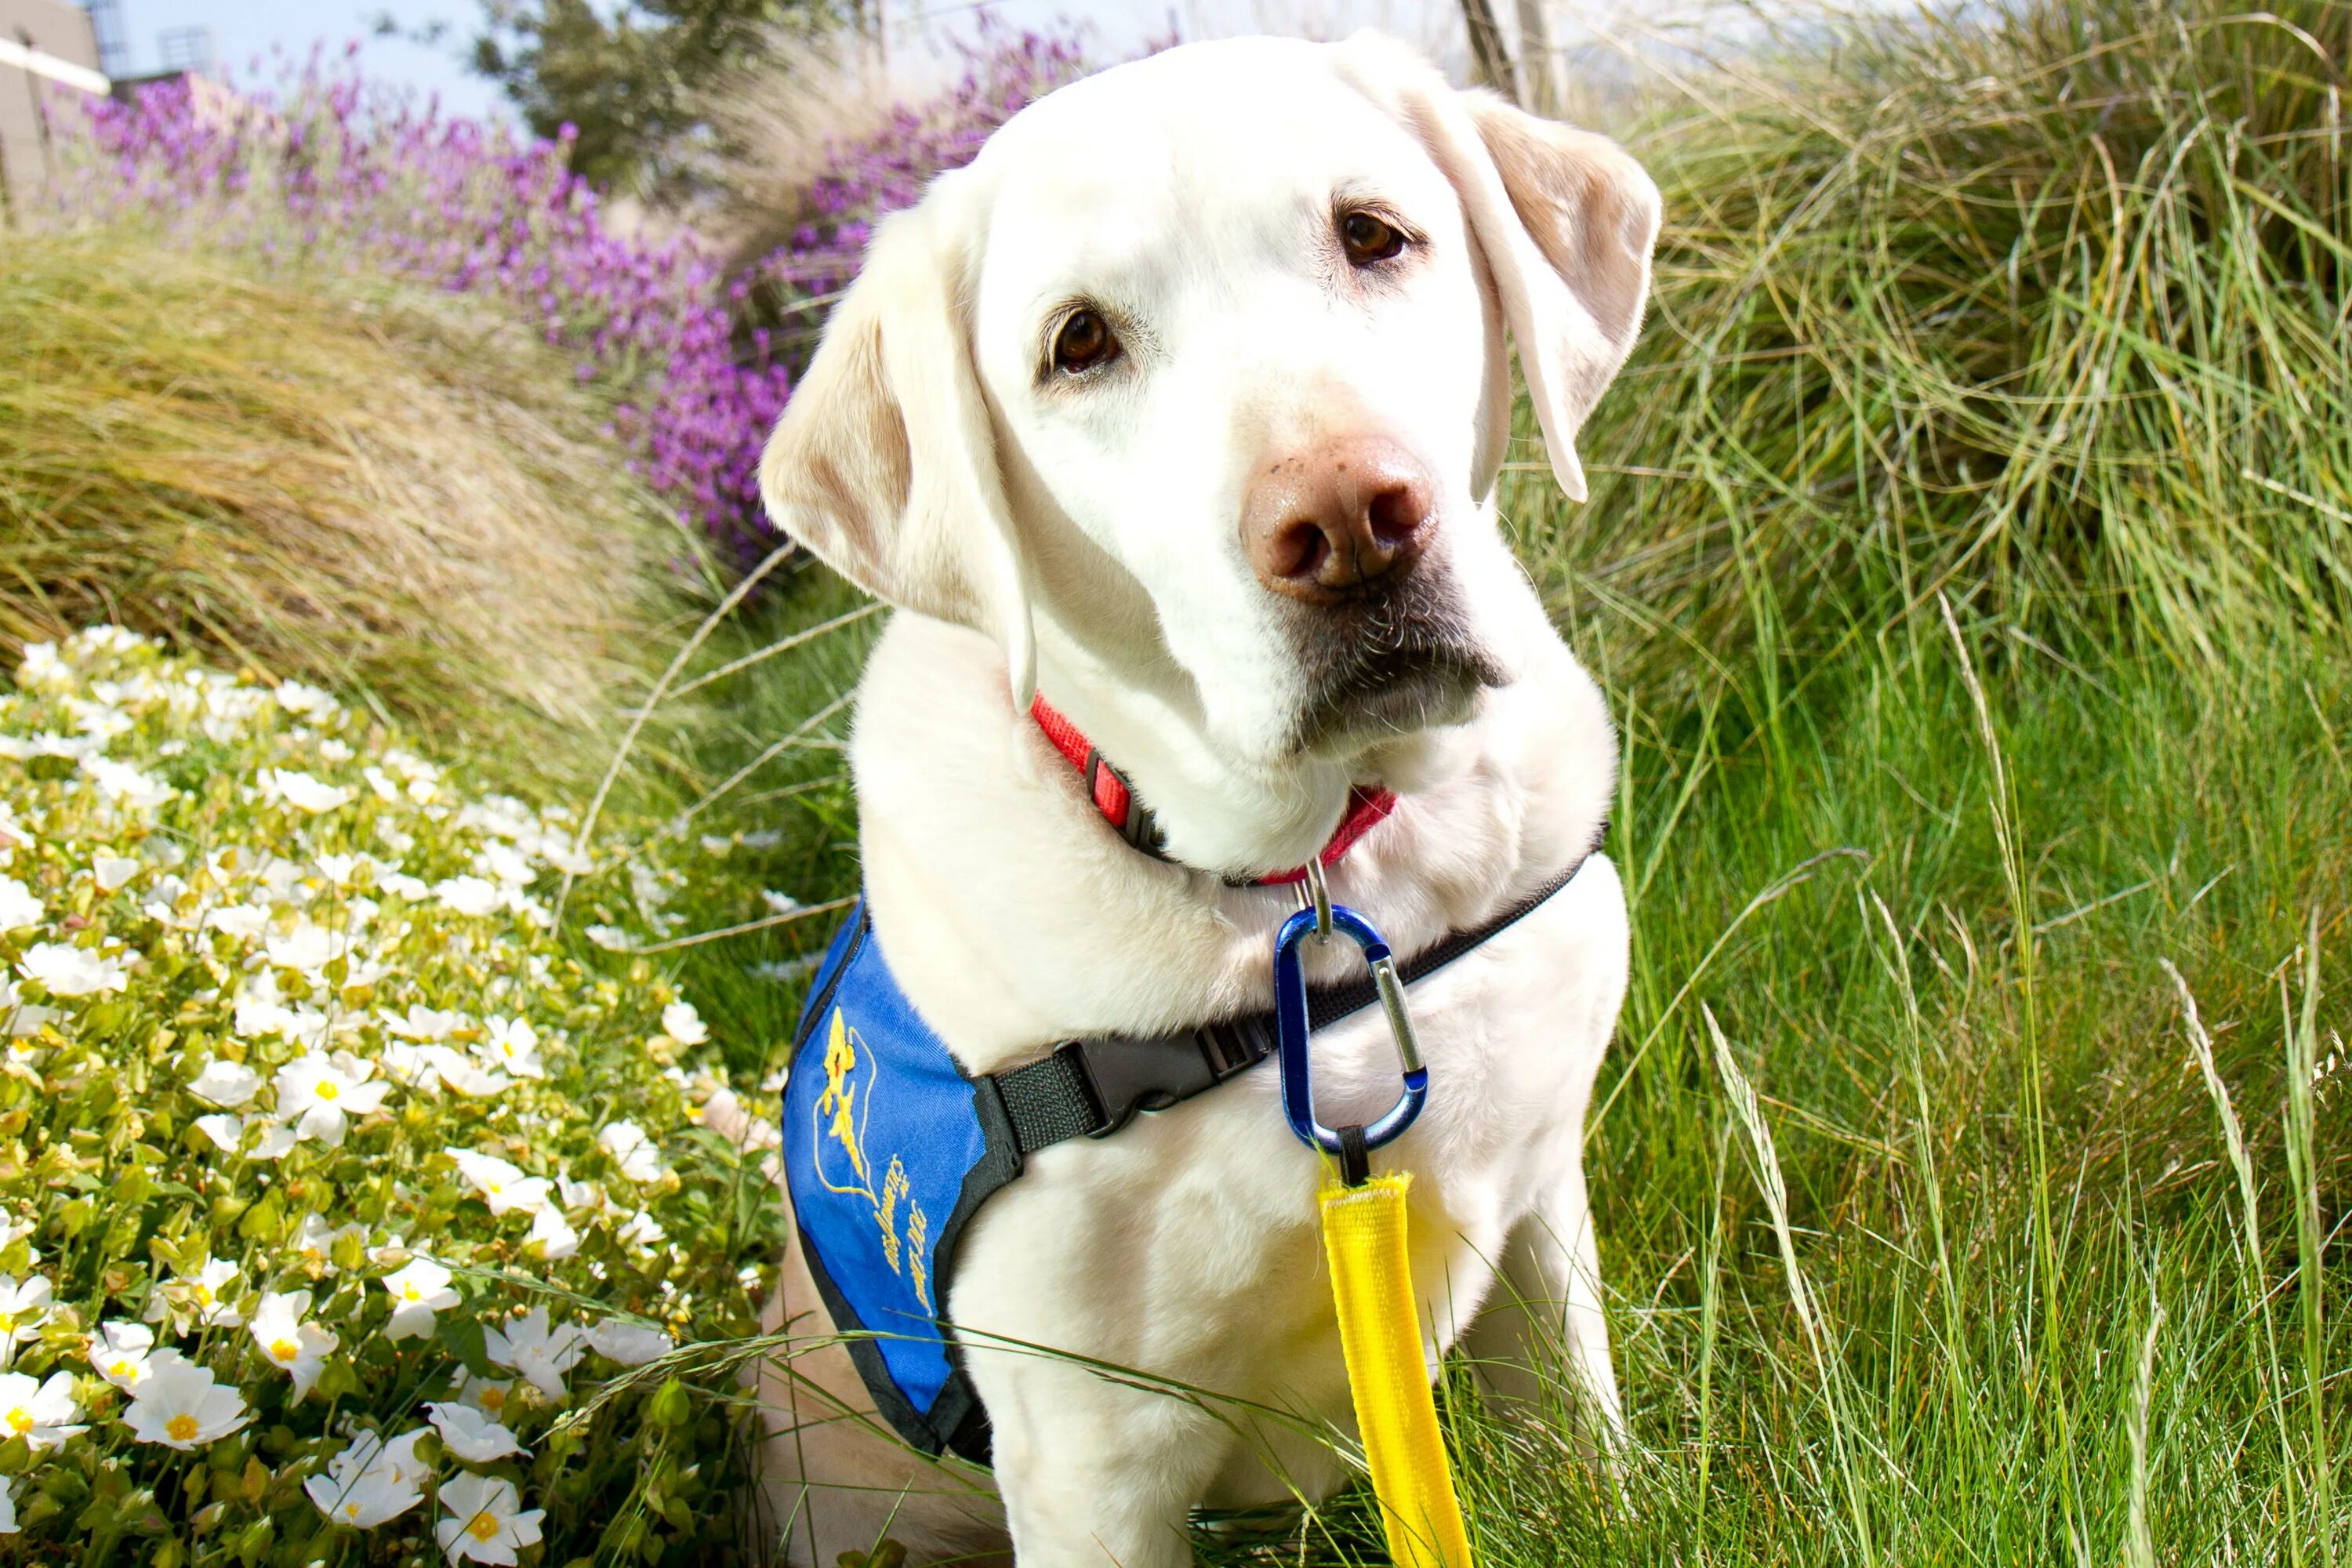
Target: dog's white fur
[[1083, 539]]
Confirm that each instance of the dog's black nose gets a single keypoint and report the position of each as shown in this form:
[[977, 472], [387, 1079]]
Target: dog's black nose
[[1319, 524]]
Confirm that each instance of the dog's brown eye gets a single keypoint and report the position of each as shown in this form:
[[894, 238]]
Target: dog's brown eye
[[1084, 342], [1368, 239]]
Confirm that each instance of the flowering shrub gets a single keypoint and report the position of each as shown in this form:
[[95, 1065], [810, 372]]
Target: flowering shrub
[[333, 170], [331, 1184]]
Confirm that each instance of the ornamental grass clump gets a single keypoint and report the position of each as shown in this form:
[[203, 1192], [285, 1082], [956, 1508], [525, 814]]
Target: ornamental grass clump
[[333, 1188], [2042, 306], [367, 486]]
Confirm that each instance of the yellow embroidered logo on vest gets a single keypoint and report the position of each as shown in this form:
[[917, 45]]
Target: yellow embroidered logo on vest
[[841, 1113]]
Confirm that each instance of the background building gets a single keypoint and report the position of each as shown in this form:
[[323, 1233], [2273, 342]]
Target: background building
[[49, 51]]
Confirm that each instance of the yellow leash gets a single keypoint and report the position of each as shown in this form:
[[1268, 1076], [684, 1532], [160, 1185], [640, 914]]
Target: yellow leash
[[1371, 1282], [1364, 1219]]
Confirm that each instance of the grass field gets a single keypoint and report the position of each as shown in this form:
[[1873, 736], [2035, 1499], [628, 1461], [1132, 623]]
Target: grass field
[[1968, 566]]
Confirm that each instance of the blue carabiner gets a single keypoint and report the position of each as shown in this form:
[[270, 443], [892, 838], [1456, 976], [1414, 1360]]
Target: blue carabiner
[[1291, 1028]]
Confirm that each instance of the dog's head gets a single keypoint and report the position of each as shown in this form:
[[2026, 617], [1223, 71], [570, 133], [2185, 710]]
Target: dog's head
[[1200, 367]]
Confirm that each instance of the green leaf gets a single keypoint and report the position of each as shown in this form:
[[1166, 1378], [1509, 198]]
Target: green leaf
[[462, 1338]]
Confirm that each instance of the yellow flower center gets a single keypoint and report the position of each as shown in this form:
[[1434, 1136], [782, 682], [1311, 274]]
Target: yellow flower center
[[182, 1427], [204, 1295], [285, 1349], [327, 1089], [122, 1366], [351, 1512], [494, 1400], [20, 1421], [482, 1527], [410, 1293]]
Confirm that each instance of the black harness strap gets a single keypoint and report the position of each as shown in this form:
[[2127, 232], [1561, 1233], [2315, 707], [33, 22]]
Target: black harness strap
[[1094, 1087]]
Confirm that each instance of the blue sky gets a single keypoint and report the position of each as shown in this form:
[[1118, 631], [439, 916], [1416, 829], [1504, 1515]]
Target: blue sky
[[243, 28]]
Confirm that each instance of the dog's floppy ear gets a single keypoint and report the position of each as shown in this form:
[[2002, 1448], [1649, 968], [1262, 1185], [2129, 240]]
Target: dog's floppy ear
[[884, 464], [1565, 220]]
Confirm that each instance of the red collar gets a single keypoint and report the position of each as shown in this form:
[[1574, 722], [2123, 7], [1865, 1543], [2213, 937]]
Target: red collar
[[1132, 820]]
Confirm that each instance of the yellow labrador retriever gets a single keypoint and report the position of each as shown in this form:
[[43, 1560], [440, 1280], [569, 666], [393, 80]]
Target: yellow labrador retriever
[[1171, 425]]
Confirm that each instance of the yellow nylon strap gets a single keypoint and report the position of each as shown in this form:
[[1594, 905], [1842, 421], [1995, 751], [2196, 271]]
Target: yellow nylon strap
[[1371, 1280]]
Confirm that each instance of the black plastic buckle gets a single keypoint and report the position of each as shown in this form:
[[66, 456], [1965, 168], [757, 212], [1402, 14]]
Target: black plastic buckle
[[1125, 1077]]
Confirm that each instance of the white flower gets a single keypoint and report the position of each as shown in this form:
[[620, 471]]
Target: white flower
[[19, 907], [315, 1241], [551, 1234], [412, 888], [259, 1012], [505, 864], [484, 1523], [487, 1395], [418, 1290], [294, 1347], [304, 701], [529, 1346], [209, 1290], [422, 1023], [724, 1113], [42, 667], [642, 1231], [244, 921], [181, 1406], [125, 1354], [112, 871], [630, 1344], [299, 789], [40, 1413], [513, 1044], [468, 895], [635, 1153], [308, 948], [466, 1077], [561, 854], [230, 1084], [681, 1023], [580, 1195], [322, 1091], [226, 1131], [126, 786], [371, 1482], [502, 1184], [472, 1436], [22, 1018], [612, 938], [8, 1509], [23, 1308], [69, 970]]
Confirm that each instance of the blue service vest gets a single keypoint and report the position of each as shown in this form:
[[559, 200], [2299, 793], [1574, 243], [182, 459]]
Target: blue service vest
[[889, 1149]]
